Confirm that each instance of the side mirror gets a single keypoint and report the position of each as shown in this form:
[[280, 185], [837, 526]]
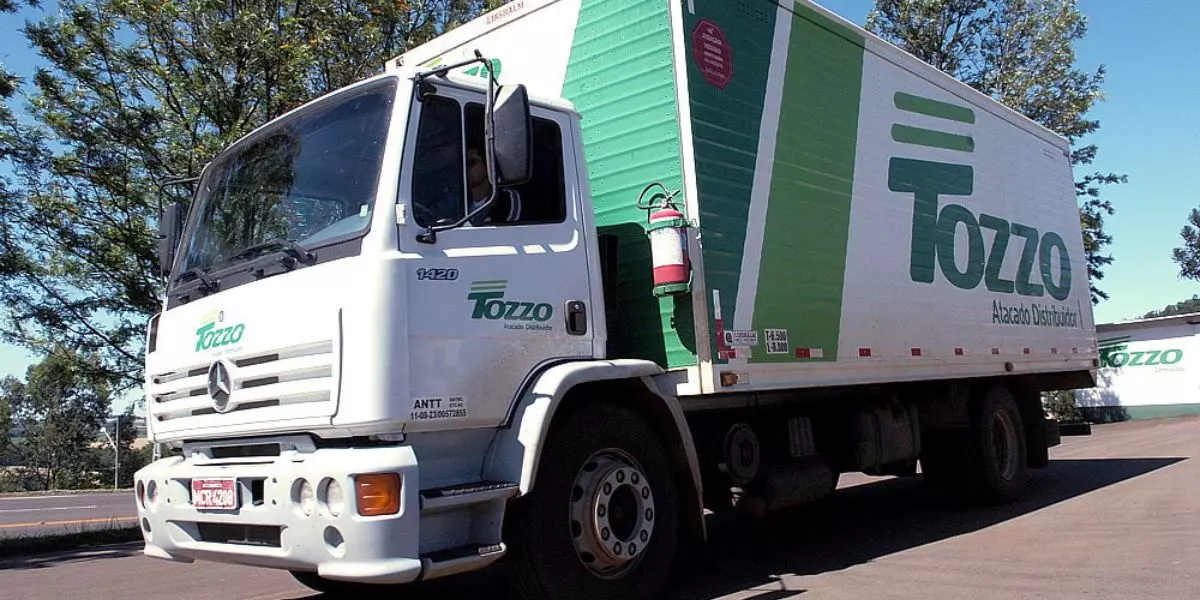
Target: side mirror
[[514, 136], [169, 226]]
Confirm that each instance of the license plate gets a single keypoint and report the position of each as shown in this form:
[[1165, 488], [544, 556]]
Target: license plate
[[214, 494]]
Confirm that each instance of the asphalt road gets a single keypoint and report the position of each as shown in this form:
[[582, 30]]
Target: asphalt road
[[68, 513], [1116, 516]]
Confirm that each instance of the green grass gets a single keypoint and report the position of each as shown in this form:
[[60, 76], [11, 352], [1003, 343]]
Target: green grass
[[114, 532]]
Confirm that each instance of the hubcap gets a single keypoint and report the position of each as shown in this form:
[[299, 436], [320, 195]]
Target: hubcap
[[1004, 445], [612, 513]]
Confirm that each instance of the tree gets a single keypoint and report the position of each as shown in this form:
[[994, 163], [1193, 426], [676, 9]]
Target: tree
[[5, 424], [1187, 256], [139, 92], [1183, 307], [1020, 52], [58, 411]]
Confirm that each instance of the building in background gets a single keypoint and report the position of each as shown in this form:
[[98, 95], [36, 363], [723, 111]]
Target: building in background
[[1149, 368]]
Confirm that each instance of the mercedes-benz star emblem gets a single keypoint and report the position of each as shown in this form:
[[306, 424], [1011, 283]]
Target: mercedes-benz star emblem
[[220, 385]]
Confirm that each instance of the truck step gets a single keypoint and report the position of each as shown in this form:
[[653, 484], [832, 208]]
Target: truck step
[[461, 559], [455, 496]]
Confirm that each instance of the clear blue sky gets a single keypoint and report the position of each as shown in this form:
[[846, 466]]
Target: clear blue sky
[[1150, 130]]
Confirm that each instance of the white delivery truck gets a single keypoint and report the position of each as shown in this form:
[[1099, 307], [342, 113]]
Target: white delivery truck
[[564, 279]]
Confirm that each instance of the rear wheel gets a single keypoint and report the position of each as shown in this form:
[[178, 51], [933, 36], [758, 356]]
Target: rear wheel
[[602, 520], [988, 461]]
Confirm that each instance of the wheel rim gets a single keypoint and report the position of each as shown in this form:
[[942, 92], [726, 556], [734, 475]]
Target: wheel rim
[[1004, 445], [612, 513]]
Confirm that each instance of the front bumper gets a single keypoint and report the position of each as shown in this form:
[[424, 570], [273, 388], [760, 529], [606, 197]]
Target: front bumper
[[270, 528]]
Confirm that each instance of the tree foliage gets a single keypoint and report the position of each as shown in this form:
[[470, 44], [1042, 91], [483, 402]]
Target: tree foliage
[[1020, 52], [1187, 256], [139, 92], [57, 413], [1183, 307]]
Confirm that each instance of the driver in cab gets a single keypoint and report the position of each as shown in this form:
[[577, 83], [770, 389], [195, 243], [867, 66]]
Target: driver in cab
[[506, 207]]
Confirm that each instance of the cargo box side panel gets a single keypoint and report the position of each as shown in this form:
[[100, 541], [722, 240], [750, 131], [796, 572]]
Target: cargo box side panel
[[730, 48], [621, 79], [965, 249], [868, 219]]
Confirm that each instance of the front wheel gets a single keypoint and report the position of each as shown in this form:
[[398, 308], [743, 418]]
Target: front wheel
[[602, 520]]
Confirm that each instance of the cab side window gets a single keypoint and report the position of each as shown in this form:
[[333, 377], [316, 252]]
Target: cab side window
[[437, 178], [542, 199], [450, 179]]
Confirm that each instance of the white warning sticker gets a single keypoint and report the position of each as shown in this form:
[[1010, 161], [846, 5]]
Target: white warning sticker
[[777, 341], [736, 338], [439, 409]]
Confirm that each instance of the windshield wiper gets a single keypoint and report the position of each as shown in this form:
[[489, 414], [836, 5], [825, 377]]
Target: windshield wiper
[[207, 284], [288, 247]]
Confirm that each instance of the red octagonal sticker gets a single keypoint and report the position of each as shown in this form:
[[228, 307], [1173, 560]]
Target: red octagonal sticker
[[712, 53]]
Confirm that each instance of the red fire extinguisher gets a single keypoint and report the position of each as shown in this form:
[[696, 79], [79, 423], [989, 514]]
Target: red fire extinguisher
[[668, 242]]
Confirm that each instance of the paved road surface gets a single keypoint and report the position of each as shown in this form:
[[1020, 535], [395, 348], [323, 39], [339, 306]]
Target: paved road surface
[[1117, 516], [43, 515]]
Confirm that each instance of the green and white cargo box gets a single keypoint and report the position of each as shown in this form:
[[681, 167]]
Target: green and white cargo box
[[859, 216]]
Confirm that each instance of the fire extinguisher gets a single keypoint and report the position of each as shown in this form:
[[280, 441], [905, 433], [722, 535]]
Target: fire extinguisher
[[668, 241]]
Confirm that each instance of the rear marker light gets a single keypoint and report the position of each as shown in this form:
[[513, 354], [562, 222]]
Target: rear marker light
[[377, 494]]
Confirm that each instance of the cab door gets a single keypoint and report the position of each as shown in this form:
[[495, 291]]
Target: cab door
[[489, 303]]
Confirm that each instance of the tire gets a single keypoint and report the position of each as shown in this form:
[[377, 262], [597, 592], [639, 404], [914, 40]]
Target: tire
[[998, 453], [986, 463], [603, 518]]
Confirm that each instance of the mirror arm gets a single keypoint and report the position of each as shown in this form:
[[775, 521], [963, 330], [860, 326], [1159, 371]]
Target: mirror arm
[[174, 182]]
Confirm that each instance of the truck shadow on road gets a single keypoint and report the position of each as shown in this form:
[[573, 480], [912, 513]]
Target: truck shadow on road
[[858, 524], [866, 522]]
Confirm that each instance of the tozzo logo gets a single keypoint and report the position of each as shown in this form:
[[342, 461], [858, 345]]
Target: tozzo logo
[[209, 336], [935, 230], [491, 304], [1114, 353]]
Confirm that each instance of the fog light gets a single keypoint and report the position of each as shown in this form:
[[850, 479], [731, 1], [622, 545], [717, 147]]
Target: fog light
[[141, 494], [308, 497], [151, 493], [335, 498], [377, 494]]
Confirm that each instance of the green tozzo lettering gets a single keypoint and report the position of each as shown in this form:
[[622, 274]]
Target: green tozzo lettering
[[208, 338], [1117, 356], [935, 231], [511, 313], [492, 306]]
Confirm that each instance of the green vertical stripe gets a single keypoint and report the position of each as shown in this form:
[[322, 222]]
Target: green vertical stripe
[[933, 108], [725, 124], [808, 219], [934, 139], [621, 79]]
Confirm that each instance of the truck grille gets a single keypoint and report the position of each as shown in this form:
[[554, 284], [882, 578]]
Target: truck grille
[[286, 377]]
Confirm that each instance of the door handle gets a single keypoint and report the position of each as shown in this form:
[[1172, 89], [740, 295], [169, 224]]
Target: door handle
[[576, 317]]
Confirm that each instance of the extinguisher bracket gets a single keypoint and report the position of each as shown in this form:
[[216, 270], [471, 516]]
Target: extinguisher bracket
[[672, 289]]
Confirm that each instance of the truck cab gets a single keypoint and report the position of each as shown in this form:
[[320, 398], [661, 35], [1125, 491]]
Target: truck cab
[[353, 309]]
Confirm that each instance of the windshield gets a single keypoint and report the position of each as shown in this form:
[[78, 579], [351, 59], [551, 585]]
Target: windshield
[[309, 179]]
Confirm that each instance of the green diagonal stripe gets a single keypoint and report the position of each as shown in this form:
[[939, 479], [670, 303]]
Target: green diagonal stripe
[[936, 139], [933, 108], [807, 231]]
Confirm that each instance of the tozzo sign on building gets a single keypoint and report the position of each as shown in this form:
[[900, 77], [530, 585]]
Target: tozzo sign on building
[[1148, 368]]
